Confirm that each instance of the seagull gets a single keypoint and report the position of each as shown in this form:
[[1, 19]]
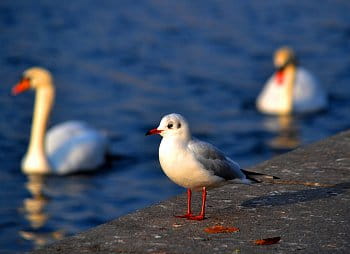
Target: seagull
[[194, 164]]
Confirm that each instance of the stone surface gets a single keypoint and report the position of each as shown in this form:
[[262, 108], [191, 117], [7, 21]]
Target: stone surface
[[307, 217]]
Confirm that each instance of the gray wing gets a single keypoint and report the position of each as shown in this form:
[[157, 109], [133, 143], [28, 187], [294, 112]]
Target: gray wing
[[215, 161]]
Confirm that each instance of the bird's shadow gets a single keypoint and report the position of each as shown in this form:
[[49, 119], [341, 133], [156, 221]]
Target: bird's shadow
[[293, 197]]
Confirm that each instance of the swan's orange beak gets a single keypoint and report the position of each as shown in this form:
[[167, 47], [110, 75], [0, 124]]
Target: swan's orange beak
[[22, 86], [153, 131], [280, 77]]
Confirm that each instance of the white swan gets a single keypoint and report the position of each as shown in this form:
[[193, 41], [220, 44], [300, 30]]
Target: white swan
[[291, 88], [68, 147]]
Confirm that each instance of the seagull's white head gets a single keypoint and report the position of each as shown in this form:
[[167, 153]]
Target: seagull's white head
[[174, 125]]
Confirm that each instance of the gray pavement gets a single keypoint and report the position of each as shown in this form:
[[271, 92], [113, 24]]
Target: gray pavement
[[309, 208]]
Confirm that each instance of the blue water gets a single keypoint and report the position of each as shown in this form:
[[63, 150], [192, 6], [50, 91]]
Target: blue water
[[121, 65]]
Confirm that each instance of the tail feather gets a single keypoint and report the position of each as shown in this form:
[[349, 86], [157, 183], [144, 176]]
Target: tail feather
[[258, 177]]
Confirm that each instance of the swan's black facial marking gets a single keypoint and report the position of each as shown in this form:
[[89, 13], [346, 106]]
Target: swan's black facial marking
[[170, 125], [25, 77]]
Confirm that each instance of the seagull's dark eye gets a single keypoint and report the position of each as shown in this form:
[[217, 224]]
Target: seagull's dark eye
[[179, 125], [170, 125]]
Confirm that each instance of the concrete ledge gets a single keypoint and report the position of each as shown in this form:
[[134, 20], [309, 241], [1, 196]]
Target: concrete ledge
[[309, 217]]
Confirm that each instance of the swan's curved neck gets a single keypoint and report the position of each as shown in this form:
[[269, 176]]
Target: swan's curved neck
[[42, 109], [35, 160], [289, 80]]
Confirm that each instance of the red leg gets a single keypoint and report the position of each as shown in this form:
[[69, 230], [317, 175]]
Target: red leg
[[189, 212], [201, 216]]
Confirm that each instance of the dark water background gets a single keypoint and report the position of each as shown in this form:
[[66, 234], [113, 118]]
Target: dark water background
[[121, 65]]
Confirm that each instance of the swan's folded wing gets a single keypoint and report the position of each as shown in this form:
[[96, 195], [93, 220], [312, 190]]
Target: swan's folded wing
[[73, 147], [60, 134]]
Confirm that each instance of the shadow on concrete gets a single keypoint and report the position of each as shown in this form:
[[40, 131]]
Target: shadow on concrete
[[293, 197]]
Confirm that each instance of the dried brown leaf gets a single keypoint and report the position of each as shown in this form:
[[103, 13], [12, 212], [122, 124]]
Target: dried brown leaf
[[267, 241], [220, 229]]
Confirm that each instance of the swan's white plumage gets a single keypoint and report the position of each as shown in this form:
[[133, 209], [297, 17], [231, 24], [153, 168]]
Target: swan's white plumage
[[74, 146], [308, 95], [68, 147]]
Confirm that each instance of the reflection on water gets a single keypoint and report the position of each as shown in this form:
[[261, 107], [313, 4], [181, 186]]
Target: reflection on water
[[34, 212], [287, 136]]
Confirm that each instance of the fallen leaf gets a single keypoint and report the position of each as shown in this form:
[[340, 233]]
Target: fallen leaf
[[267, 241], [220, 229]]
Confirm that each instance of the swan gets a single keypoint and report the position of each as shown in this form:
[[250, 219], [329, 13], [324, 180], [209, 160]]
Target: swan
[[291, 88], [67, 148]]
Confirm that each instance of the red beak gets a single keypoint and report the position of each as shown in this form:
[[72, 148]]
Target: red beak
[[22, 86], [279, 77], [153, 131]]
